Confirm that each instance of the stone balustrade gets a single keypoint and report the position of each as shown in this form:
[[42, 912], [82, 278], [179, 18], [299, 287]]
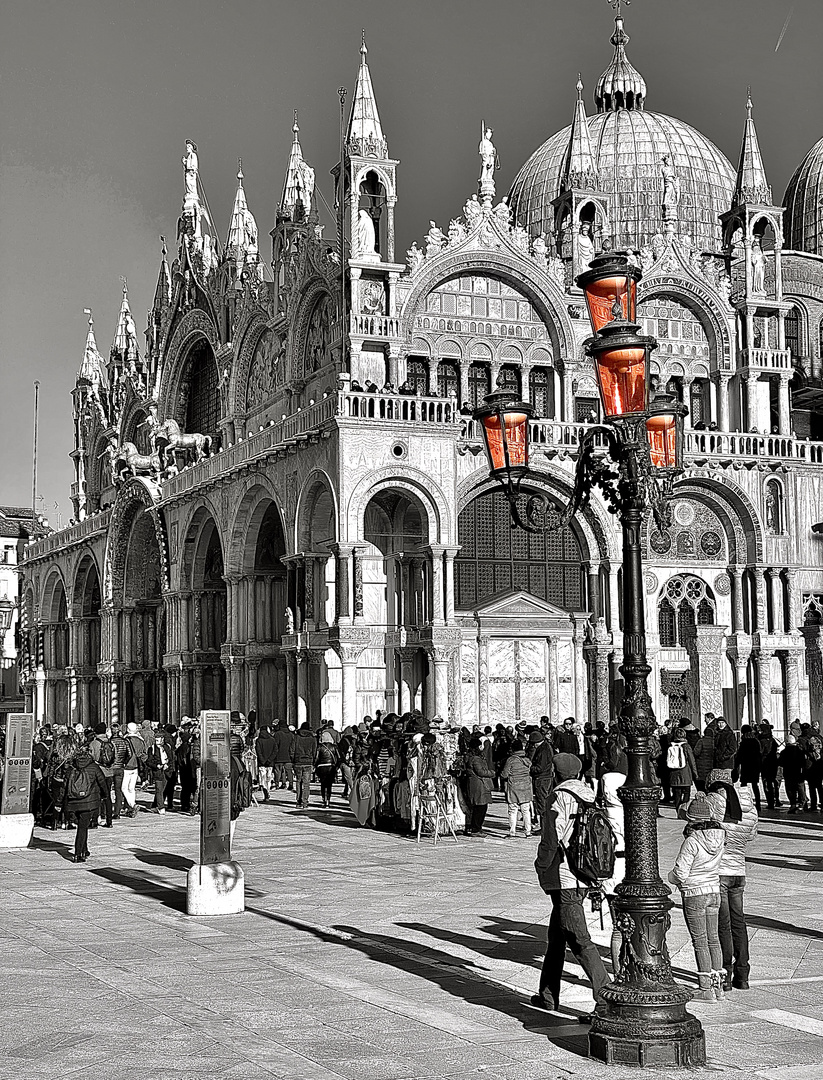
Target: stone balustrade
[[401, 408], [73, 534], [771, 359], [374, 326]]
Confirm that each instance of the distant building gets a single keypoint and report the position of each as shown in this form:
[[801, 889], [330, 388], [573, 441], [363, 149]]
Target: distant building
[[281, 502], [18, 525]]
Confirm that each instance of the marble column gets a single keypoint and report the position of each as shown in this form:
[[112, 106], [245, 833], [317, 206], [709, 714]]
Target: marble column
[[614, 598], [738, 611], [554, 689], [449, 555], [342, 560], [302, 687], [793, 687], [252, 667], [794, 602], [764, 684], [483, 677], [776, 590], [762, 622], [407, 681], [291, 688], [784, 405], [441, 659], [349, 655], [813, 636], [437, 600], [751, 401]]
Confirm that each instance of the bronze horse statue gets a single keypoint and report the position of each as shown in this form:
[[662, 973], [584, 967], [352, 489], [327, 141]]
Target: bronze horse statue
[[168, 440], [127, 461]]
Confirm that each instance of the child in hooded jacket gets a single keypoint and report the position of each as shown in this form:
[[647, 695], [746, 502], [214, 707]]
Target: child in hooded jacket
[[697, 874]]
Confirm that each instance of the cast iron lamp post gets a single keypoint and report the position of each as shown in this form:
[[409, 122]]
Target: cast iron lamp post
[[641, 1019]]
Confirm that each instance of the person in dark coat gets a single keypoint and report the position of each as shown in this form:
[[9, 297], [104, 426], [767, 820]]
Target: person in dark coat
[[704, 757], [792, 760], [681, 777], [725, 745], [768, 765], [516, 774], [565, 739], [283, 747], [162, 769], [303, 759], [541, 754], [479, 781], [747, 762], [266, 761], [84, 789]]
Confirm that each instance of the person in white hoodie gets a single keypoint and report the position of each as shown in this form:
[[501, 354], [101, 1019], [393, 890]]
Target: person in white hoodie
[[734, 808], [697, 873], [610, 783], [567, 924]]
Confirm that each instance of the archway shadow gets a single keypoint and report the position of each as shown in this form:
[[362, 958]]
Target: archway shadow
[[456, 976]]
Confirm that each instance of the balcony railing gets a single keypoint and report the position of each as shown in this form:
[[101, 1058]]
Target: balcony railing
[[90, 526], [773, 359], [401, 408], [376, 326]]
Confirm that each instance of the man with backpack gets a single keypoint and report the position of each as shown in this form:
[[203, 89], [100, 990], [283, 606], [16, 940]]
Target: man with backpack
[[576, 852], [85, 788], [103, 753]]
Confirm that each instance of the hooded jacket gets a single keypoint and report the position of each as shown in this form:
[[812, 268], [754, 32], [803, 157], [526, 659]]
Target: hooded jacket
[[610, 784], [738, 833], [558, 823], [304, 749], [97, 786], [697, 868], [517, 774]]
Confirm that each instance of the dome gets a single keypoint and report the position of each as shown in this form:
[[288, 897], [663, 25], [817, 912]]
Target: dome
[[804, 204], [628, 145]]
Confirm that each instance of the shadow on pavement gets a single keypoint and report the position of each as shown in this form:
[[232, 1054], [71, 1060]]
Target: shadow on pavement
[[455, 975], [163, 858], [802, 863], [63, 848], [761, 922], [139, 881]]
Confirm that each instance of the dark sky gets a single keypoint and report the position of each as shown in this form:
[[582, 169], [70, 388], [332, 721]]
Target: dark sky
[[98, 97]]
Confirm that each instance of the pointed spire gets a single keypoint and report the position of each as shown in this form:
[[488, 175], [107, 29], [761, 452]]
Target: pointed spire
[[752, 185], [365, 135], [621, 86], [299, 185], [579, 164], [241, 244], [91, 367], [162, 292], [124, 346]]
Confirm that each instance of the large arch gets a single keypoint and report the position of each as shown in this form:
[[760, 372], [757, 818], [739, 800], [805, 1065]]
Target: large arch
[[54, 622], [744, 530], [196, 325], [204, 613], [704, 305], [411, 480], [87, 601]]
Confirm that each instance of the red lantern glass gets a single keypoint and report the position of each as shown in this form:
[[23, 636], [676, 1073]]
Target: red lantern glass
[[505, 424], [621, 359], [610, 288], [664, 429]]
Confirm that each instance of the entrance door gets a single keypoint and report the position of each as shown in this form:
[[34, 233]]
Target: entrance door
[[518, 680]]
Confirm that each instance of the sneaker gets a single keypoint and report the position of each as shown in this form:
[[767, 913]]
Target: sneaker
[[154, 810], [541, 1002], [704, 995], [161, 811], [511, 836]]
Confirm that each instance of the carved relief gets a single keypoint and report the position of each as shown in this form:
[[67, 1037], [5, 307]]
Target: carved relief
[[266, 369]]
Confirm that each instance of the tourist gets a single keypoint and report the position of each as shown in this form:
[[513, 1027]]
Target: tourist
[[303, 758], [613, 757], [609, 788], [681, 766], [170, 733], [734, 808], [541, 754], [814, 767], [328, 759], [567, 739], [792, 760], [479, 778], [103, 753], [185, 770], [516, 774], [63, 750], [160, 767], [704, 757], [725, 745], [768, 764], [567, 924], [84, 789], [748, 762], [265, 758], [122, 754], [697, 874], [283, 737], [131, 769], [196, 757]]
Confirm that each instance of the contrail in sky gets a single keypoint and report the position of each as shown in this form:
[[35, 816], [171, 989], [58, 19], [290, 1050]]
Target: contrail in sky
[[785, 27]]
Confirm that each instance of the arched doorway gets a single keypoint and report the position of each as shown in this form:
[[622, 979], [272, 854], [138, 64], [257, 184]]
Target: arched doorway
[[204, 600], [56, 653], [262, 616], [143, 625], [87, 604]]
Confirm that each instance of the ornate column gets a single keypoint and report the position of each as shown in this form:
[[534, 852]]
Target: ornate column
[[342, 576], [598, 650], [185, 692], [235, 672], [795, 613], [614, 599], [349, 650], [302, 661], [793, 687], [722, 385], [554, 690], [751, 401], [784, 410], [449, 555], [483, 674], [705, 647], [437, 599], [813, 636], [776, 590], [308, 591], [248, 586], [763, 661], [581, 697], [357, 581], [762, 616], [407, 657], [252, 667], [185, 640], [441, 657], [738, 617]]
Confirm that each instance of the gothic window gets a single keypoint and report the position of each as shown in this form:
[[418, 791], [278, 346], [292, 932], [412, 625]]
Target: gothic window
[[203, 404], [541, 391], [812, 609], [448, 379], [586, 410], [793, 334], [509, 379], [686, 601], [480, 383], [496, 559], [417, 376], [697, 416]]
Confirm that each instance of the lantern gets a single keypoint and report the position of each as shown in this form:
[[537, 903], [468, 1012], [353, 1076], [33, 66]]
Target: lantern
[[621, 358], [610, 288], [664, 428], [505, 424], [6, 612]]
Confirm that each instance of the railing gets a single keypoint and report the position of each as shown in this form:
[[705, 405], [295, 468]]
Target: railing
[[255, 446], [776, 359], [543, 434], [73, 534], [400, 408], [381, 326]]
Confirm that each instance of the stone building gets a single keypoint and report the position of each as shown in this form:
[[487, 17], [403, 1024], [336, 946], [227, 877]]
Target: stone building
[[281, 502]]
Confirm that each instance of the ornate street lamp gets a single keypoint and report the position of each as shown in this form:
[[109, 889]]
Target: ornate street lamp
[[6, 612], [641, 1019]]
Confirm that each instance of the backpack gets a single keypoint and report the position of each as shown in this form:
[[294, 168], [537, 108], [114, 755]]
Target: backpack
[[80, 783], [591, 847], [364, 787], [675, 758], [106, 754]]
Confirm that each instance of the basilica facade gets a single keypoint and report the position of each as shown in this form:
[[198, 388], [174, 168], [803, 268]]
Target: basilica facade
[[280, 498]]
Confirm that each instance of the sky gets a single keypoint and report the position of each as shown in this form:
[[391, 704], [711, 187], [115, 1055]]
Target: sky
[[99, 96]]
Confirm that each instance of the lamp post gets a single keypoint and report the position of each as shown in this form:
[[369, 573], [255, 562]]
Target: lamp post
[[641, 1018], [6, 615]]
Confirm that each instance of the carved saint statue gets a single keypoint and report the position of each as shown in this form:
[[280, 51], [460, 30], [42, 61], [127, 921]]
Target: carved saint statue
[[414, 257], [457, 231], [758, 261], [585, 247], [671, 189], [502, 213], [289, 614], [540, 250], [435, 239], [488, 156], [658, 246], [190, 172], [772, 511], [364, 236], [471, 212]]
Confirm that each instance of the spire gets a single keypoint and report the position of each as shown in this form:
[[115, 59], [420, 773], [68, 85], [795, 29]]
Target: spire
[[241, 244], [365, 135], [91, 367], [752, 185], [124, 346], [162, 292], [579, 165], [299, 185], [621, 86]]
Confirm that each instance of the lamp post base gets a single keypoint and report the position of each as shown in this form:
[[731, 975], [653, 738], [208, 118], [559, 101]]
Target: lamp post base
[[646, 1035]]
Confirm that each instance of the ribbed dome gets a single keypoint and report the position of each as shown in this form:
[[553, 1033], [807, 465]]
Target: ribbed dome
[[629, 146], [804, 204]]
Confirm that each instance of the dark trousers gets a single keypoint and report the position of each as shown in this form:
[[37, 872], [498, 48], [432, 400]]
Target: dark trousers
[[772, 789], [284, 773], [105, 804], [731, 924], [171, 782], [188, 785], [814, 778], [680, 795], [325, 774], [567, 929], [302, 774], [477, 817], [160, 781], [794, 790], [542, 789], [81, 839], [117, 780]]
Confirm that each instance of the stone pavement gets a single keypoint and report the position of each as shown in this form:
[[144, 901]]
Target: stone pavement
[[361, 956]]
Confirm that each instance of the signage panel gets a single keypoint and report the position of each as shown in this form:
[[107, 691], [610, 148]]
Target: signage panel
[[215, 803], [17, 772]]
